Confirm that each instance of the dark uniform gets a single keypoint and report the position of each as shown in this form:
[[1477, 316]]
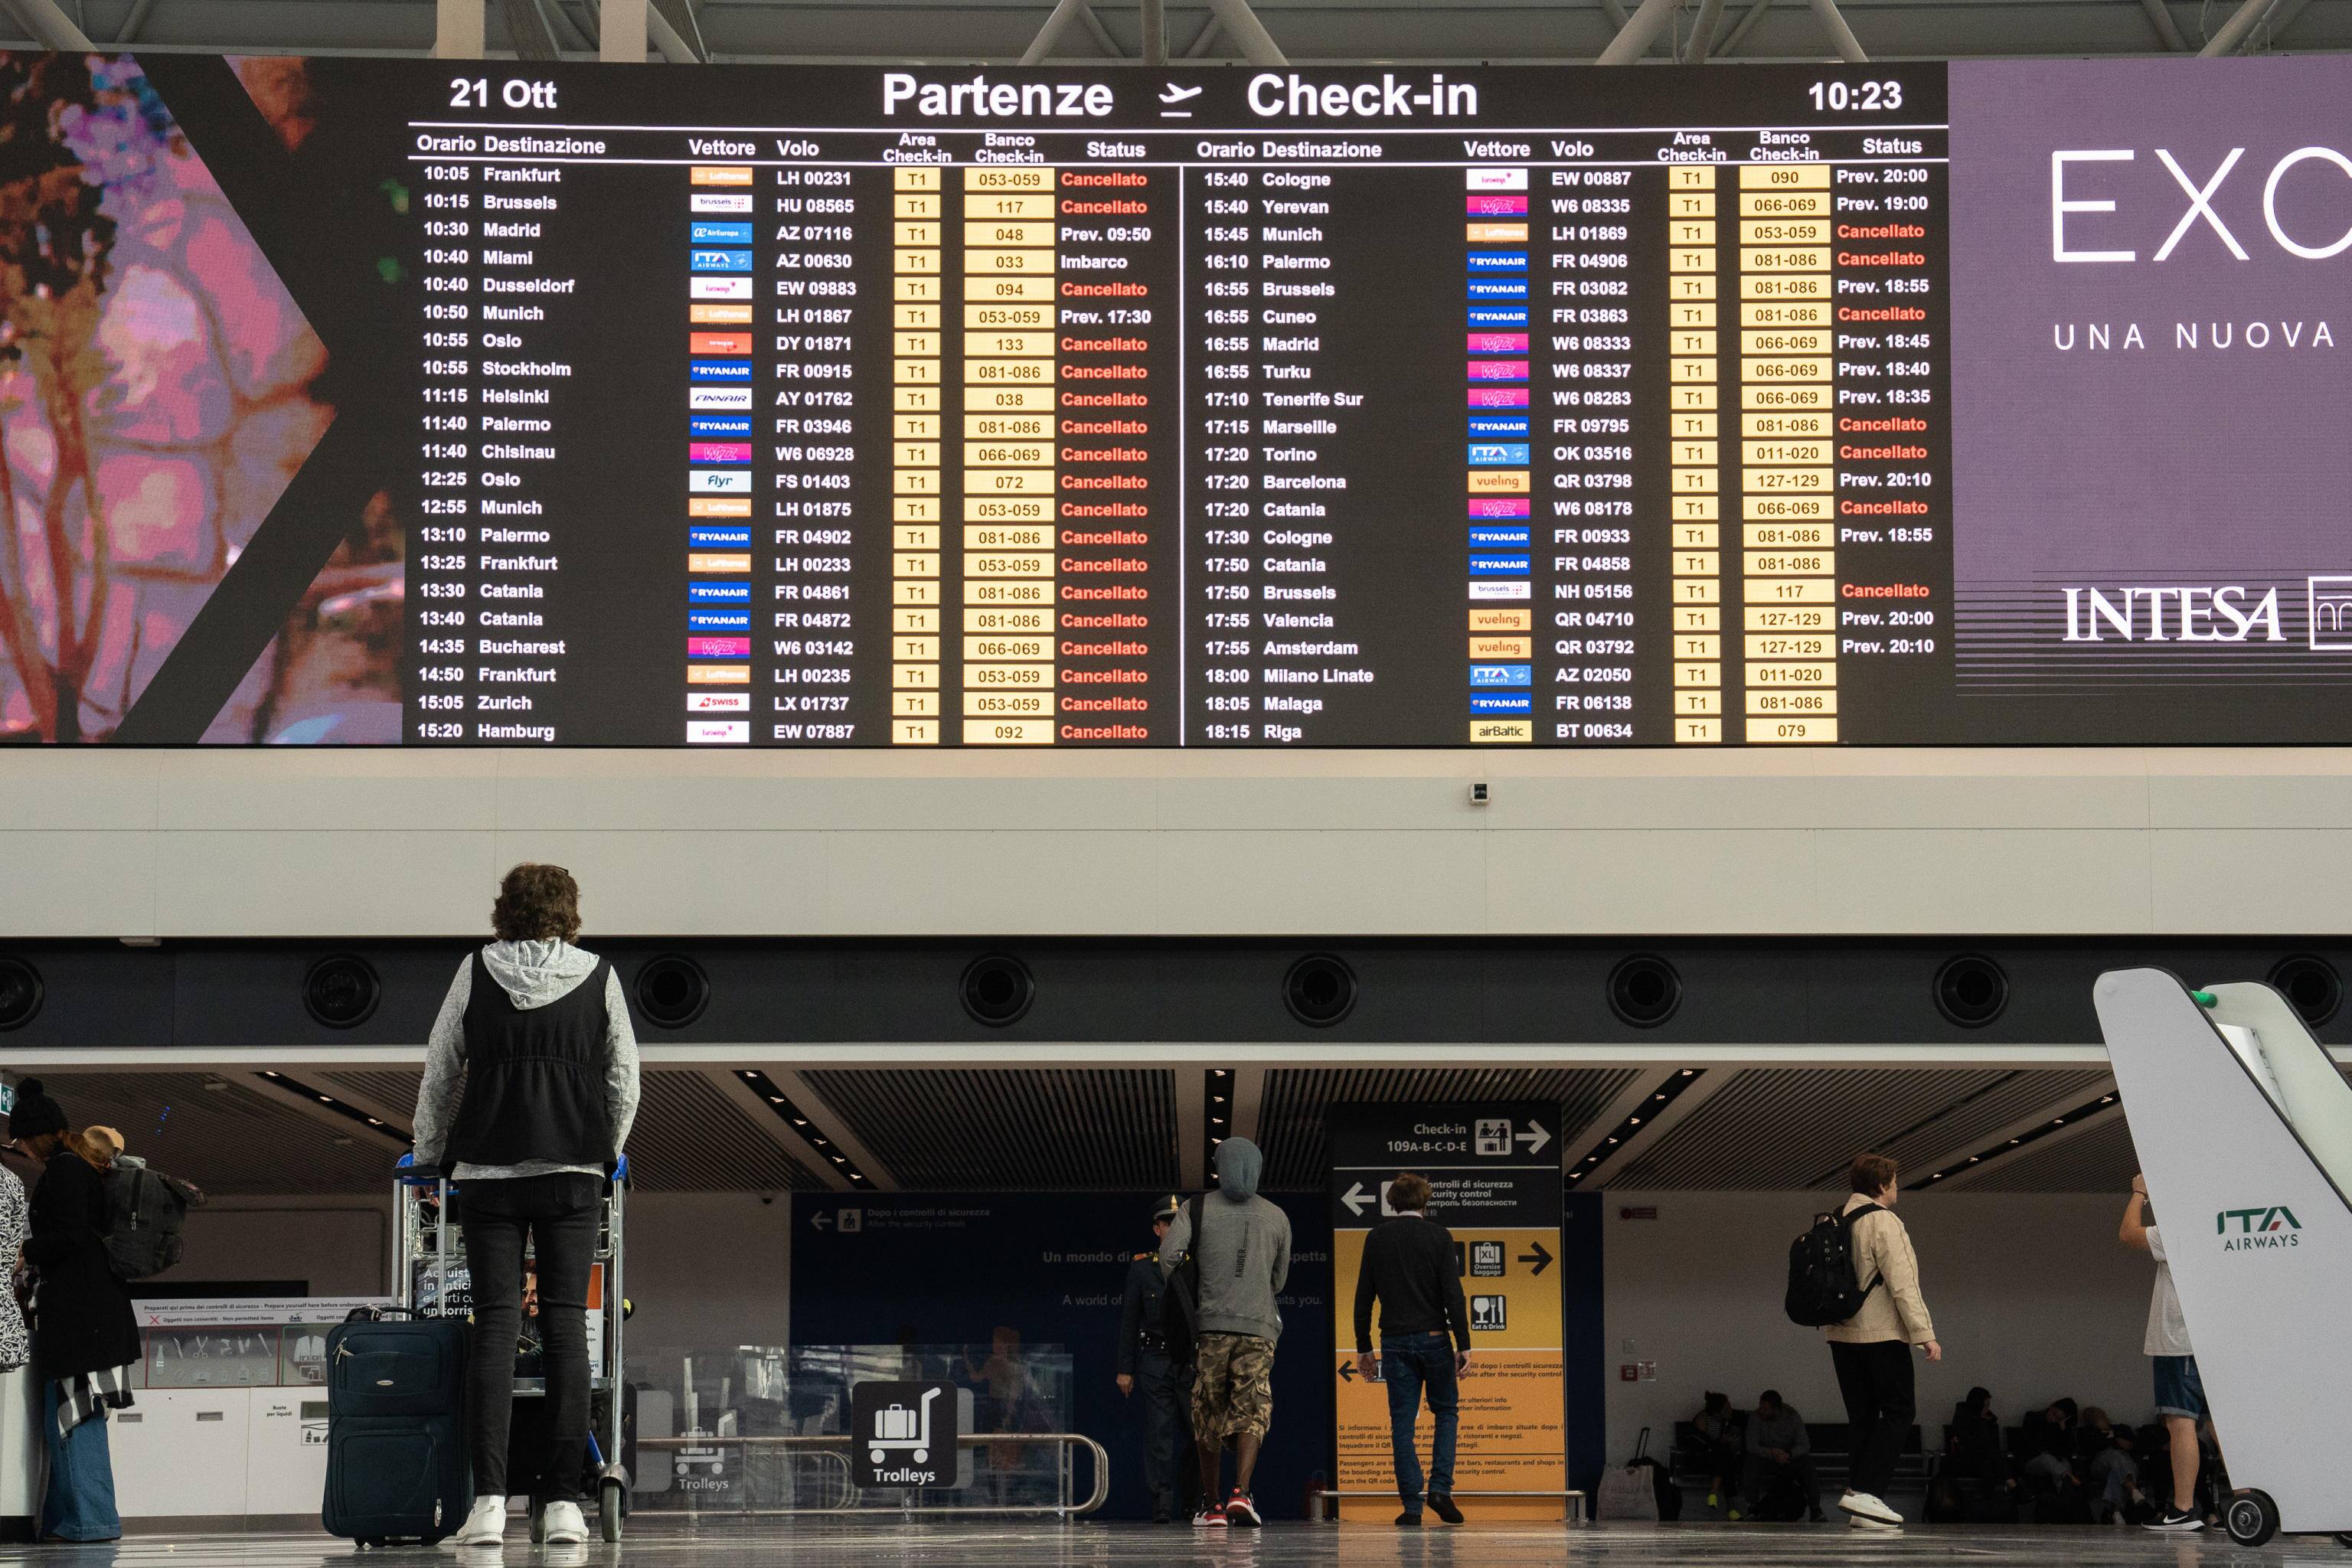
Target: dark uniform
[[1143, 1355]]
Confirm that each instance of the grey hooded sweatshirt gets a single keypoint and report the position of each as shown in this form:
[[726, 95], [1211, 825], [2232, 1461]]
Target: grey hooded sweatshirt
[[533, 974], [1245, 1247]]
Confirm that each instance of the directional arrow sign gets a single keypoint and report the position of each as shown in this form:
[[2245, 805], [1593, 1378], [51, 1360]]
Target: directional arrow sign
[[1536, 1140], [1347, 1370], [822, 1220], [1538, 1257], [1358, 1200]]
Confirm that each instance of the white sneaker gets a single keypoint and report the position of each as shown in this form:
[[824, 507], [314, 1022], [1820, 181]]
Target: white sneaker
[[1861, 1505], [486, 1525], [563, 1525], [1871, 1526]]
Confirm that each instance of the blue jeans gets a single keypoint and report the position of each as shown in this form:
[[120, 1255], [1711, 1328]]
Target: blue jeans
[[1411, 1364], [80, 1501]]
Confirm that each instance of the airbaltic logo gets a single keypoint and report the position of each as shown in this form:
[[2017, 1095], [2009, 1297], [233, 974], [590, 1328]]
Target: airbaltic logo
[[2248, 1229]]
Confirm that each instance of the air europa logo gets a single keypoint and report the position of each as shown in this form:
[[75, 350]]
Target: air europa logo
[[2248, 1229]]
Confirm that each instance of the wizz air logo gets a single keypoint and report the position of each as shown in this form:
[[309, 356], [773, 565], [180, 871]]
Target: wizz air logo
[[2249, 1229]]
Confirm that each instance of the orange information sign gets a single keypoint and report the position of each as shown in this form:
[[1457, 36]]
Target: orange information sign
[[1494, 1172]]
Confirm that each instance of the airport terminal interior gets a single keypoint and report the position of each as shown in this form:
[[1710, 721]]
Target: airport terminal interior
[[656, 905]]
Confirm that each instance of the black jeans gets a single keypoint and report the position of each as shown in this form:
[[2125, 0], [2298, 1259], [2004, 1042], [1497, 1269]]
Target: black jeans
[[560, 1212], [1877, 1381]]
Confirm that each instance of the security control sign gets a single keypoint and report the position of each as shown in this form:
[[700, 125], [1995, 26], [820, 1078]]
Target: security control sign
[[903, 1434]]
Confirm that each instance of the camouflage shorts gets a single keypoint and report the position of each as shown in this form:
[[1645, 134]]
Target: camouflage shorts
[[1234, 1392]]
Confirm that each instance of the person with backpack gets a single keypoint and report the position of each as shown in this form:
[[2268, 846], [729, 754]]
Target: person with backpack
[[85, 1336], [531, 1084], [1239, 1245], [1407, 1268], [1870, 1349]]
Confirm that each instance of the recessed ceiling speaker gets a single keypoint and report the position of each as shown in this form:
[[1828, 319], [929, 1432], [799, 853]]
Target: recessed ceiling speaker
[[1645, 990], [672, 991], [342, 991], [1972, 990], [1319, 990], [20, 993], [2309, 983], [997, 990]]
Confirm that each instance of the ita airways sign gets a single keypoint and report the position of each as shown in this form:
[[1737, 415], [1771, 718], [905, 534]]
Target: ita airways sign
[[2269, 1227], [903, 1434], [1492, 1169]]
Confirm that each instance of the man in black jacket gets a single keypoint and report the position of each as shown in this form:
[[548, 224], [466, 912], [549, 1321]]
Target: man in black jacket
[[1409, 1268], [1143, 1360]]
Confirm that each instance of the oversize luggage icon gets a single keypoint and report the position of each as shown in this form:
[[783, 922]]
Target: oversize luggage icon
[[898, 1427]]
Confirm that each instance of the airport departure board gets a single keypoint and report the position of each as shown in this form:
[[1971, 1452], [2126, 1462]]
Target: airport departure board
[[505, 404]]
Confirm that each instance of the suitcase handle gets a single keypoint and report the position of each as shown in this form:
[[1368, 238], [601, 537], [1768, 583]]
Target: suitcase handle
[[1641, 1445]]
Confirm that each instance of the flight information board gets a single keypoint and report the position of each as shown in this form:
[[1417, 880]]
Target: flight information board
[[503, 404]]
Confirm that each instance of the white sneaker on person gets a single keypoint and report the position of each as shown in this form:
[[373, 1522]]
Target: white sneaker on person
[[486, 1525], [1871, 1526], [564, 1527], [1861, 1505], [1211, 1517]]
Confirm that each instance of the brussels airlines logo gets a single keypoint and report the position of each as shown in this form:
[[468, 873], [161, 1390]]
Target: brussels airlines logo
[[2249, 1229]]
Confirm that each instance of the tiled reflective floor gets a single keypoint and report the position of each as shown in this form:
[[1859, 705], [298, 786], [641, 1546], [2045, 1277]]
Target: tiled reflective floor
[[1290, 1546]]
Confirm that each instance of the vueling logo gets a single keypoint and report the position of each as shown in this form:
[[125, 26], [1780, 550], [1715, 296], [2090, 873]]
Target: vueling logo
[[2265, 1227]]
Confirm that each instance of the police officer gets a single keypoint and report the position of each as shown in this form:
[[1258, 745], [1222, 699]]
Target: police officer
[[1143, 1360]]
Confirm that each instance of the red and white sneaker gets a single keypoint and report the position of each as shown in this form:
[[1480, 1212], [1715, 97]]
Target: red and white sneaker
[[1241, 1512], [1211, 1517]]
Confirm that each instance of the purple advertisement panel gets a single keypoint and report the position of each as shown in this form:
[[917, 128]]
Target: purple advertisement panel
[[2152, 390]]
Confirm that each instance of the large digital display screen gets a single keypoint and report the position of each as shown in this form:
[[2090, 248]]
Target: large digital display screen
[[397, 402]]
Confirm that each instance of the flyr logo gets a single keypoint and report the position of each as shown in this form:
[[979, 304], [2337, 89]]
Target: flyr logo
[[2247, 1230]]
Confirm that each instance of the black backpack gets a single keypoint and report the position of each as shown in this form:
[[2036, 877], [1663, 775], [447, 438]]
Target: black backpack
[[146, 1212], [1180, 1302], [1823, 1288]]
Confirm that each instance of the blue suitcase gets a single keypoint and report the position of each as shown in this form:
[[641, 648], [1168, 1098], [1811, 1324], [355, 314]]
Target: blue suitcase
[[398, 1468]]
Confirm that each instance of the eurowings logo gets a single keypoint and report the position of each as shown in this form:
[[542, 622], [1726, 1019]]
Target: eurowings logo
[[2248, 1229]]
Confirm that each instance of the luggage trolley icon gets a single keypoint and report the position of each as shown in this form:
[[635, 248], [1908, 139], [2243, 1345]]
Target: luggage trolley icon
[[896, 1427]]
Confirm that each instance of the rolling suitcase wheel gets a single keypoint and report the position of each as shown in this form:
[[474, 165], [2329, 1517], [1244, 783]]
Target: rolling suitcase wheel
[[611, 1506], [538, 1521], [2252, 1517]]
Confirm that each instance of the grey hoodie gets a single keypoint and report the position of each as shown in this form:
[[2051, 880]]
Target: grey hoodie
[[1245, 1248], [533, 974]]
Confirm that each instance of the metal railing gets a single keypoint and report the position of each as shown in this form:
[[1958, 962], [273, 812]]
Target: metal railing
[[853, 1499], [1327, 1503]]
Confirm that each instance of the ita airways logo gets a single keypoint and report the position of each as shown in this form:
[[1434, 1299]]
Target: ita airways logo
[[2250, 1230]]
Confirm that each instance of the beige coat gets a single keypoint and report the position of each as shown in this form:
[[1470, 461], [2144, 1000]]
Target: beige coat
[[1896, 1310]]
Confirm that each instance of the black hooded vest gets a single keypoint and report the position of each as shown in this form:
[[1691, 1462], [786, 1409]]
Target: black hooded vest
[[534, 1077]]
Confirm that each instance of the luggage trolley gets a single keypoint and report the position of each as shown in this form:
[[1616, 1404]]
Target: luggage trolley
[[422, 1246], [2243, 1127]]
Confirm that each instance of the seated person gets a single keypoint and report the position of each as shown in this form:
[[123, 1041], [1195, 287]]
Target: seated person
[[1719, 1451], [1777, 1448], [2106, 1460], [1975, 1461]]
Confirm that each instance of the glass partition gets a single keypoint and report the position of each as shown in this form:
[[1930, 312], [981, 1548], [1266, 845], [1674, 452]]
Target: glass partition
[[803, 1392]]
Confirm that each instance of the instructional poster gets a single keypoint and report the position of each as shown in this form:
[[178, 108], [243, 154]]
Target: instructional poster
[[1494, 1174]]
